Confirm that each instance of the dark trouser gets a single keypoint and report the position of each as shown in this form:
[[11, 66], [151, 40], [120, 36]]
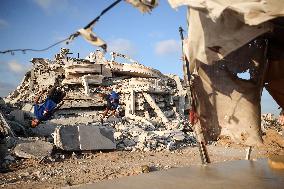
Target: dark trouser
[[3, 151], [56, 95]]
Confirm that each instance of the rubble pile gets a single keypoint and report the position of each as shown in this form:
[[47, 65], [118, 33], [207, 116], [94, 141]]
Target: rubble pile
[[152, 105], [269, 121], [134, 136]]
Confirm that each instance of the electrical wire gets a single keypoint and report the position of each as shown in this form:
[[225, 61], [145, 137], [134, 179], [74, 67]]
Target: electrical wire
[[35, 50]]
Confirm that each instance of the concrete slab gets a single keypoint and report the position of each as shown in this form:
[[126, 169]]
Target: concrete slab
[[84, 137], [234, 174], [67, 138], [33, 149], [96, 138]]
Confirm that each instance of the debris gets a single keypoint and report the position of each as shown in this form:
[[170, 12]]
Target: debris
[[9, 158], [37, 149], [5, 129], [149, 102]]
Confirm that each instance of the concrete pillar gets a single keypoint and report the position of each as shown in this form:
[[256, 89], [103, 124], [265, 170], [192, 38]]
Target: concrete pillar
[[132, 102], [158, 111]]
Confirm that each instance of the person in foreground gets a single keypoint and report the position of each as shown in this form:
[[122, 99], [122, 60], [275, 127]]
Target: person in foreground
[[45, 110]]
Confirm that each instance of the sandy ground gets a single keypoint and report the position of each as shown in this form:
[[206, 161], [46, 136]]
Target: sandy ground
[[96, 166]]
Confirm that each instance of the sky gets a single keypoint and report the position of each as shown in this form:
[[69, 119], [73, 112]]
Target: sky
[[151, 39]]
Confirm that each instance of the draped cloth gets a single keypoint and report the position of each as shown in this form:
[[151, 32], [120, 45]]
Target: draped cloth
[[225, 39]]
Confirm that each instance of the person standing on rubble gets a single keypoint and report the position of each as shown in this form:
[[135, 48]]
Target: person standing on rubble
[[44, 111], [112, 104]]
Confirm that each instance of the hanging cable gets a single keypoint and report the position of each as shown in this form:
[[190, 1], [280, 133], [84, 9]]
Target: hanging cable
[[67, 40], [36, 50]]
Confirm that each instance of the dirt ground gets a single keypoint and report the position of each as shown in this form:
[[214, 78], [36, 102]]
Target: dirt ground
[[75, 168]]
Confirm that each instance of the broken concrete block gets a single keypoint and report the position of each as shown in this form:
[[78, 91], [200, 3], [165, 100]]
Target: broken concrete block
[[18, 115], [2, 102], [4, 126], [84, 137], [136, 131], [17, 128], [28, 108], [96, 138], [129, 142], [33, 149], [67, 138], [178, 137], [44, 129], [117, 135]]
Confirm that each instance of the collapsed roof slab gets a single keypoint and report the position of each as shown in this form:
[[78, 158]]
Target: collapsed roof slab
[[135, 70], [87, 68]]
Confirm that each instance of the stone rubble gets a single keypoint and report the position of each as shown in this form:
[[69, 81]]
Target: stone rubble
[[152, 105], [269, 121], [37, 149], [152, 112]]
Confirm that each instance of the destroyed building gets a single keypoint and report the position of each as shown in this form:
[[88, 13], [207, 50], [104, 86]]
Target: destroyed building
[[152, 105]]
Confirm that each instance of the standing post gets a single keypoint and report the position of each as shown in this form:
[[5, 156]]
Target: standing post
[[194, 120]]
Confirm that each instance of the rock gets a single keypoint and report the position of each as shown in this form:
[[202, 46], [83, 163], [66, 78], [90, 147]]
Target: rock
[[33, 149], [28, 108], [36, 174], [10, 142], [171, 146], [44, 129], [18, 128], [67, 138], [2, 102], [18, 116], [169, 113], [142, 137], [25, 174], [84, 137], [121, 127], [178, 137], [164, 134], [9, 158], [145, 169], [117, 135], [113, 119], [128, 142], [135, 131]]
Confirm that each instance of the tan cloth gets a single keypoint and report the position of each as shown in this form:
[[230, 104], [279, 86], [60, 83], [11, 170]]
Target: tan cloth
[[222, 30], [143, 5], [251, 12], [276, 89], [218, 27], [227, 105], [92, 38]]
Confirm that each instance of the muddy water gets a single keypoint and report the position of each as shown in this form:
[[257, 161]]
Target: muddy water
[[235, 174]]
